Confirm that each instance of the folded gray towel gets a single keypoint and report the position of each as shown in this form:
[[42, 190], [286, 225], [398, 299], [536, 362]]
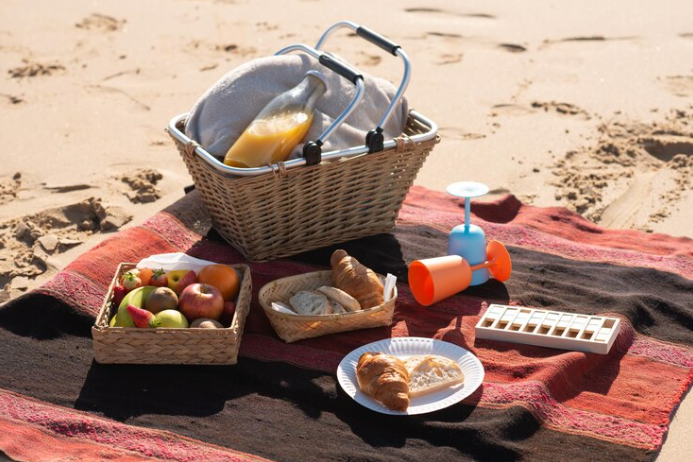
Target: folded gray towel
[[230, 105]]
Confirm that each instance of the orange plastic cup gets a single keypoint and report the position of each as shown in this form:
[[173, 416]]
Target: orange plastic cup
[[502, 266], [434, 279]]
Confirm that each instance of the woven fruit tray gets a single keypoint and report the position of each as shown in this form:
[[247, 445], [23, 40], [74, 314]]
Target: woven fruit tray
[[160, 345], [291, 327]]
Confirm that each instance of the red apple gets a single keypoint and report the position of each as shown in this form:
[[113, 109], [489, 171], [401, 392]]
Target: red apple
[[227, 314], [201, 301], [180, 279]]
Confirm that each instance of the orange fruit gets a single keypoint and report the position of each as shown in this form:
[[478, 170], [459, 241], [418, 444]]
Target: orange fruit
[[145, 275], [223, 277]]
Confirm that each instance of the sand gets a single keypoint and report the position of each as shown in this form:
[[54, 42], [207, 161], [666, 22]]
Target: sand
[[588, 105]]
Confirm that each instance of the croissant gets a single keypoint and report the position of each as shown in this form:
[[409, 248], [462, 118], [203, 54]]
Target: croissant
[[356, 280], [385, 379]]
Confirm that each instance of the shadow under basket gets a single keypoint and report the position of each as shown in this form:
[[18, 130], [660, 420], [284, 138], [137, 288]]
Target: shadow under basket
[[133, 345], [290, 211], [291, 327]]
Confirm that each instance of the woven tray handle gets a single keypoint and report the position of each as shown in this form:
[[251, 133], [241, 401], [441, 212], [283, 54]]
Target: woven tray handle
[[375, 138]]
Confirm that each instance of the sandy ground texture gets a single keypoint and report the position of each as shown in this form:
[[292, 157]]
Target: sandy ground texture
[[583, 104]]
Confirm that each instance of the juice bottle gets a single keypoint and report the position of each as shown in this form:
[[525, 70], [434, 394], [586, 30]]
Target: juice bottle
[[279, 127]]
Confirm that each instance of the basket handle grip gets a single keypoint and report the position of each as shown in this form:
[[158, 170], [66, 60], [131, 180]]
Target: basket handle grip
[[375, 138], [312, 150], [345, 70], [377, 40]]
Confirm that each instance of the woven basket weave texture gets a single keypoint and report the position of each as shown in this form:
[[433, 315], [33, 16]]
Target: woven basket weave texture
[[273, 216]]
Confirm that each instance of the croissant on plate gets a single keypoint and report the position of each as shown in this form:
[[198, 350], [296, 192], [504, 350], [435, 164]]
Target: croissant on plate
[[356, 280], [385, 379]]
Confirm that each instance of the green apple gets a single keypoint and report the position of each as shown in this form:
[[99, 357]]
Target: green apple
[[171, 318]]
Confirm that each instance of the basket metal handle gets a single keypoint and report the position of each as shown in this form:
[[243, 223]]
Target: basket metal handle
[[375, 138], [312, 150]]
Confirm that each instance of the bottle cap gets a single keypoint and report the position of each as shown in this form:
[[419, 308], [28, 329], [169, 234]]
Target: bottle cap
[[320, 76]]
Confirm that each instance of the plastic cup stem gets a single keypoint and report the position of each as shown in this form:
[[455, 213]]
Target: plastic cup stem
[[467, 211], [485, 264]]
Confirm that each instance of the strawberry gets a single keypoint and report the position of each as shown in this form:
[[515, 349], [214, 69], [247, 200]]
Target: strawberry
[[131, 281], [142, 318], [159, 278], [119, 293]]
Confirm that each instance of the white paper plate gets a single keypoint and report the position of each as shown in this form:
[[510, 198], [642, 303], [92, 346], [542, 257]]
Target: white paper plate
[[408, 346]]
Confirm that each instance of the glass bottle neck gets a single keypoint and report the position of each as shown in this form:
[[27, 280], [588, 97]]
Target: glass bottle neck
[[310, 90]]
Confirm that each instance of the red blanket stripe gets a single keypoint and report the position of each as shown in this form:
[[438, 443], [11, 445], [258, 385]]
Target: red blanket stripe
[[534, 397], [38, 431]]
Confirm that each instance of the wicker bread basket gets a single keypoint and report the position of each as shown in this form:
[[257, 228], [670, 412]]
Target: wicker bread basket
[[292, 327], [132, 345]]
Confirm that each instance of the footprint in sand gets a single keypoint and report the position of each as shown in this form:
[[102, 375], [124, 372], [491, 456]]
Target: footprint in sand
[[635, 174], [448, 58], [230, 48], [29, 241], [368, 60], [444, 35], [510, 110], [34, 69], [9, 188], [596, 38], [451, 36], [456, 133], [586, 39], [101, 22], [512, 47], [666, 146], [561, 108], [680, 85], [427, 10], [12, 99], [265, 26], [142, 183]]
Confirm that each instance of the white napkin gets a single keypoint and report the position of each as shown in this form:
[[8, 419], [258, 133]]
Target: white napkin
[[173, 262], [282, 308], [390, 283]]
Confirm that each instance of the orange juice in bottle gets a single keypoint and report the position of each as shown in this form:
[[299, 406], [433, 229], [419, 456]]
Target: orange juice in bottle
[[279, 127]]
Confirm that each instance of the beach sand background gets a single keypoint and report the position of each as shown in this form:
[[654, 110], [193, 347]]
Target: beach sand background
[[587, 105]]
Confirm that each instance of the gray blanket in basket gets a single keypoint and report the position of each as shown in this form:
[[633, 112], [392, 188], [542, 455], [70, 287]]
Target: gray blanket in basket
[[227, 108]]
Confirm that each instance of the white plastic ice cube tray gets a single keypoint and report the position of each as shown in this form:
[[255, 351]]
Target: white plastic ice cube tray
[[553, 329]]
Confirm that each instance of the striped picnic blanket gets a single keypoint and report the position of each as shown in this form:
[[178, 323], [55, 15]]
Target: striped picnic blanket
[[282, 402]]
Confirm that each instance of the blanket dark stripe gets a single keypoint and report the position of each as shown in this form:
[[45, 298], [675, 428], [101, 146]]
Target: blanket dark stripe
[[276, 410]]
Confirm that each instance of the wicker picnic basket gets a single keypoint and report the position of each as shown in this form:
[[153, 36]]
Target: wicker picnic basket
[[292, 327], [324, 198], [132, 345]]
